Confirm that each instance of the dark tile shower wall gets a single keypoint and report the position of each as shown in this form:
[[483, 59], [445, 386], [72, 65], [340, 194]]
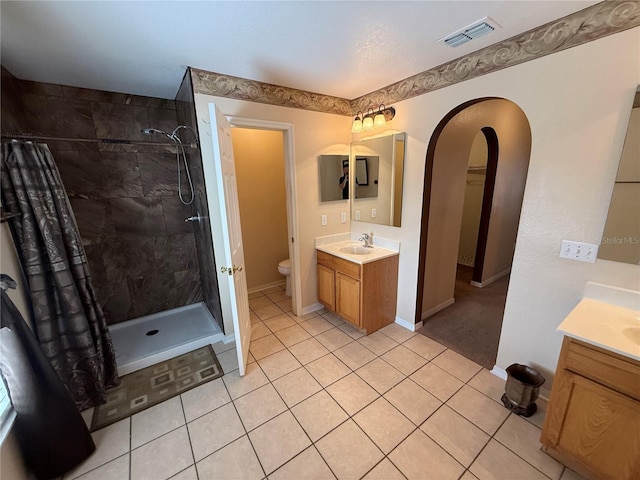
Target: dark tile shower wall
[[12, 117], [141, 253], [185, 107]]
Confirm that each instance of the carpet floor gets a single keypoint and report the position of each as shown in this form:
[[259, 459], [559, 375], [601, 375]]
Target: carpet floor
[[471, 326], [147, 387]]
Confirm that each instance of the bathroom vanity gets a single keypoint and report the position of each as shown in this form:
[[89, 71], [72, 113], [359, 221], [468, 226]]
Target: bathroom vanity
[[358, 284], [593, 418]]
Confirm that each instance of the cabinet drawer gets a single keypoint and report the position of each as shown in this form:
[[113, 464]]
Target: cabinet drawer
[[339, 264], [604, 367]]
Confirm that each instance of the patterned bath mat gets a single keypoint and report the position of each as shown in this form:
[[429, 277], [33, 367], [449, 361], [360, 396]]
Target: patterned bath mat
[[148, 387]]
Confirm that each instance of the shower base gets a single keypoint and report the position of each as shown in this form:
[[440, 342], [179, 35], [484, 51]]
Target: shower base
[[154, 338]]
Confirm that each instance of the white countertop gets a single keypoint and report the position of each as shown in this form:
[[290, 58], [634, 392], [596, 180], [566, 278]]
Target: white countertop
[[376, 253], [608, 326]]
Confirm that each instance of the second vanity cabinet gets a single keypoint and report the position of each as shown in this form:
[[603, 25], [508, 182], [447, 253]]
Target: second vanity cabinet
[[593, 418], [363, 294]]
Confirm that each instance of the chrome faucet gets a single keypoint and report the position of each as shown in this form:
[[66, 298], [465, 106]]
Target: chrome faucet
[[367, 240]]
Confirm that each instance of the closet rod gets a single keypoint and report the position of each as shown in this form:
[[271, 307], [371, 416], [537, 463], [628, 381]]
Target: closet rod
[[112, 141]]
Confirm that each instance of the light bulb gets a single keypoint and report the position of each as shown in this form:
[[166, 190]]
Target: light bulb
[[356, 127], [367, 123], [379, 121]]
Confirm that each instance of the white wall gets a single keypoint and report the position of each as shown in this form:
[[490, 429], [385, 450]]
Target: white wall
[[578, 103]]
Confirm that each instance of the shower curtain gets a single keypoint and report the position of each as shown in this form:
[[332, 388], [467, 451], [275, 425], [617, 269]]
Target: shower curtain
[[68, 320]]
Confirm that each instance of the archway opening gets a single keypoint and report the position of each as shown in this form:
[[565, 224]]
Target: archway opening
[[507, 137]]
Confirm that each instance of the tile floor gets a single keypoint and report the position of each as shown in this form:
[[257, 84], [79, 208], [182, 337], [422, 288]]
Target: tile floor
[[322, 401]]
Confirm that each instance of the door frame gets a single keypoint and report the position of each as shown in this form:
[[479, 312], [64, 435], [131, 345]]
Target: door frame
[[291, 197], [493, 150]]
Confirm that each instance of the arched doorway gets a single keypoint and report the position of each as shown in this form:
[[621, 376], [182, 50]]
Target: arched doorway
[[508, 136]]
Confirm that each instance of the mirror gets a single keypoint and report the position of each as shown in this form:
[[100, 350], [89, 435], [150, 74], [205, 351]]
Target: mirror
[[621, 237], [333, 184], [367, 167], [379, 167]]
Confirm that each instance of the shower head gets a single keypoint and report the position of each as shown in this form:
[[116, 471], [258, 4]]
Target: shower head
[[150, 131]]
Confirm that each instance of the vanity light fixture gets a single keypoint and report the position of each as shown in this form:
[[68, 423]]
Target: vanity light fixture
[[356, 127], [372, 119], [367, 121]]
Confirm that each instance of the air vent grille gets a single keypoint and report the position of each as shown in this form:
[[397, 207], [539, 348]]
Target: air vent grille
[[473, 31]]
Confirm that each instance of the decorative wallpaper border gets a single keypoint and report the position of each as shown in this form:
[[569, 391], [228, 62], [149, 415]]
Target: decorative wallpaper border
[[240, 88], [592, 23]]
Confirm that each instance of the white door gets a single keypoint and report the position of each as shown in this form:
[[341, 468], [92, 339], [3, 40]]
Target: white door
[[233, 269]]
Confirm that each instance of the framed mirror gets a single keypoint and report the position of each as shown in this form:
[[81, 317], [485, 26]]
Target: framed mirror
[[621, 237], [378, 166], [334, 177]]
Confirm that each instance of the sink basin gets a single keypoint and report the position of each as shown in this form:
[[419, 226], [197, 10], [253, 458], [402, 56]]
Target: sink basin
[[356, 250], [633, 334]]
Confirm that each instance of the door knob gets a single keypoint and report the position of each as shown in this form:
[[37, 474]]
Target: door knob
[[231, 270]]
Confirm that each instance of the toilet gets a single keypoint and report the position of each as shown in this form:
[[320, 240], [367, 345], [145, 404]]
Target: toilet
[[284, 267]]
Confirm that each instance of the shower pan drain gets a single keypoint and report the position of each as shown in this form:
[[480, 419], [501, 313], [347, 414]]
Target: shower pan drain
[[151, 332]]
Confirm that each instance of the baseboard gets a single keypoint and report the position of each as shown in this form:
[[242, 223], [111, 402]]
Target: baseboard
[[312, 308], [437, 308], [279, 283], [499, 372], [490, 280], [409, 325]]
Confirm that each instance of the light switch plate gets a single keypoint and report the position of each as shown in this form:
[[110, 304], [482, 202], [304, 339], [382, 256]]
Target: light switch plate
[[323, 220], [343, 217], [580, 251], [374, 213], [357, 214]]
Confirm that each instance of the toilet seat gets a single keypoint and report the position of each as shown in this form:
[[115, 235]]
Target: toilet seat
[[284, 267]]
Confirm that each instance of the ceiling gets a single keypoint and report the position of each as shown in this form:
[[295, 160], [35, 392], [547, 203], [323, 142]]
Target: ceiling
[[341, 48]]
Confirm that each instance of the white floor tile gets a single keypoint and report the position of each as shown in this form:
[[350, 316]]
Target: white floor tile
[[235, 461], [308, 465], [348, 451], [291, 440], [205, 398], [118, 468], [419, 454], [156, 421], [214, 430], [163, 457]]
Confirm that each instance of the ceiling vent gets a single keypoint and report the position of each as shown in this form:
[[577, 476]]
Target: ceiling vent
[[471, 32]]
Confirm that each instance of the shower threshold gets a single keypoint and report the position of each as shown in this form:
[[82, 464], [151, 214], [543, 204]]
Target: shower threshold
[[147, 340]]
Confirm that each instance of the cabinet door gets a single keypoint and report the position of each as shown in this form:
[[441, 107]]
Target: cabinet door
[[326, 287], [600, 427], [348, 298]]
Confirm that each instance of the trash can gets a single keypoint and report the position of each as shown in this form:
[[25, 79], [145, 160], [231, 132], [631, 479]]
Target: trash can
[[521, 390]]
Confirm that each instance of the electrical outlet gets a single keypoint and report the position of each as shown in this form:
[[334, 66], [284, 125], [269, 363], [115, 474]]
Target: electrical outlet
[[323, 220], [343, 217], [357, 214], [374, 213], [580, 251]]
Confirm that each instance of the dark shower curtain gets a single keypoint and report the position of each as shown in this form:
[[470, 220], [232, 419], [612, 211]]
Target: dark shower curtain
[[68, 320]]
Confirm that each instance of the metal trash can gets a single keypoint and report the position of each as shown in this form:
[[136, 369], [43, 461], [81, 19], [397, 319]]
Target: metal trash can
[[522, 388]]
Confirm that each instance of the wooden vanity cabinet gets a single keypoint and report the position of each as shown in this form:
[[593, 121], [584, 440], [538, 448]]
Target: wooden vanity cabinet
[[592, 422], [364, 295]]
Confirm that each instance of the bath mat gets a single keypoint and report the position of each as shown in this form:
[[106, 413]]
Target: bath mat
[[148, 387]]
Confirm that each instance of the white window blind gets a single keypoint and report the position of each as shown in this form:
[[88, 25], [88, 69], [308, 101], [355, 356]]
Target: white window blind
[[5, 403], [7, 413]]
